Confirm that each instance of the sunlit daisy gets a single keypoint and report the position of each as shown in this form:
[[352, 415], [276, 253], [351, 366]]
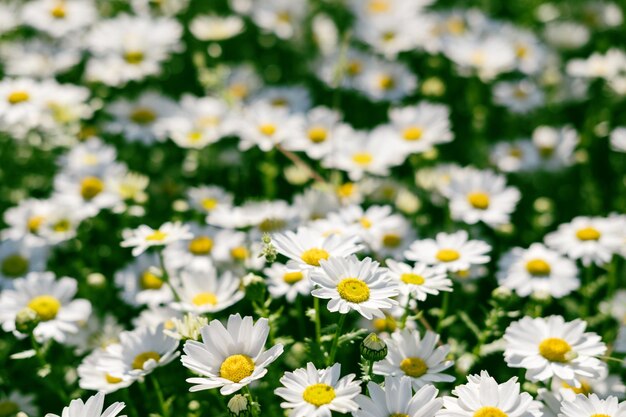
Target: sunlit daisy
[[92, 377], [418, 281], [583, 406], [142, 282], [201, 291], [397, 399], [93, 407], [16, 402], [287, 282], [144, 236]]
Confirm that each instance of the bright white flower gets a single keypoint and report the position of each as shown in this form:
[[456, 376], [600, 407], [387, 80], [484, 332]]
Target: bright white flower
[[53, 301], [216, 28], [386, 81], [142, 282], [230, 357], [548, 347], [350, 65], [282, 17], [598, 65], [89, 158], [453, 251], [520, 96], [208, 198], [95, 333], [618, 139], [91, 408], [307, 248], [17, 403], [10, 17], [200, 290], [241, 82], [313, 392], [20, 257], [288, 282], [155, 316], [265, 126], [92, 377], [38, 58], [59, 17], [21, 104], [315, 203], [515, 156], [488, 56], [616, 306], [416, 358], [590, 239], [144, 236], [397, 399], [318, 135], [583, 406], [325, 33], [481, 196], [193, 254], [566, 34], [93, 193], [482, 396], [538, 271], [555, 146], [62, 220], [351, 284], [418, 281]]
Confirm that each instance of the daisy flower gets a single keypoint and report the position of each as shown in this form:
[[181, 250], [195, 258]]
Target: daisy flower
[[16, 402], [53, 301], [416, 358], [201, 291], [590, 239], [539, 271], [397, 399], [307, 248], [555, 146], [281, 17], [583, 406], [287, 282], [295, 98], [453, 251], [230, 357], [418, 281], [92, 377], [482, 396], [142, 282], [351, 284], [191, 254], [318, 138], [58, 18], [91, 408], [216, 28], [19, 257], [386, 81], [207, 198], [548, 347], [515, 156], [266, 126], [313, 392], [144, 236], [518, 96], [618, 139]]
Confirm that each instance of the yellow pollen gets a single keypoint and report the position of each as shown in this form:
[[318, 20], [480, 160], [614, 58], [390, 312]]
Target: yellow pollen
[[378, 6], [478, 58], [239, 90], [412, 279], [412, 133], [209, 203], [388, 36], [150, 281], [14, 265], [156, 236], [521, 51], [143, 116], [267, 129], [354, 68], [455, 25], [313, 256], [61, 226], [142, 358], [388, 324], [413, 367], [600, 415], [386, 82], [490, 412], [239, 253], [363, 158], [58, 11], [516, 152], [46, 306], [538, 267], [237, 367], [546, 151], [398, 415], [133, 57], [112, 380], [204, 298], [270, 225], [588, 233], [478, 200], [585, 388], [194, 136], [202, 245], [447, 255], [392, 240], [90, 187], [520, 93], [34, 223], [555, 349], [353, 290], [284, 17], [8, 408], [365, 222], [319, 394], [18, 97], [346, 190], [317, 134], [293, 277]]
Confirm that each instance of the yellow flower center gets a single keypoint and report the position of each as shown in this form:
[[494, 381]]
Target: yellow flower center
[[46, 307], [412, 279], [388, 36], [133, 57], [8, 408], [386, 82], [313, 256], [204, 298], [521, 51], [58, 11], [142, 358], [293, 277], [150, 281], [388, 324], [319, 394], [353, 290], [239, 253], [600, 415], [194, 136], [209, 203], [317, 134], [365, 222], [392, 240], [18, 97], [413, 367], [412, 133], [490, 412], [112, 380], [14, 265], [478, 200], [346, 190], [447, 255], [378, 6], [538, 267], [354, 68], [588, 233], [398, 415], [237, 367], [90, 187], [202, 245], [555, 349], [156, 236], [271, 225], [585, 388], [455, 25], [362, 158], [143, 116], [61, 226], [34, 223], [267, 129]]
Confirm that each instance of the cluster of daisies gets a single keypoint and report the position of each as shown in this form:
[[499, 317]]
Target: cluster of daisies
[[382, 208]]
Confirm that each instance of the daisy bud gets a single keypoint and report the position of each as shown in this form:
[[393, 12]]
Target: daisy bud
[[255, 287], [238, 406], [373, 348], [501, 293], [26, 320], [96, 279]]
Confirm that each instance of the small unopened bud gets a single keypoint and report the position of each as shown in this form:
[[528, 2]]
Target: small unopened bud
[[373, 348], [501, 293], [96, 279], [26, 320], [269, 251], [255, 287], [239, 406]]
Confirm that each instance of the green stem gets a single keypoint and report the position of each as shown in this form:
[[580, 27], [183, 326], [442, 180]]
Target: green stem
[[159, 393], [129, 403], [253, 408], [318, 322], [333, 348], [301, 320], [406, 313], [166, 277], [57, 388], [612, 275], [444, 310]]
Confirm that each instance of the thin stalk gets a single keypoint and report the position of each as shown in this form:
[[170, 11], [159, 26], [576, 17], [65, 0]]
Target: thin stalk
[[57, 388], [253, 409], [318, 322], [333, 348], [157, 388], [406, 313], [444, 310], [301, 319]]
